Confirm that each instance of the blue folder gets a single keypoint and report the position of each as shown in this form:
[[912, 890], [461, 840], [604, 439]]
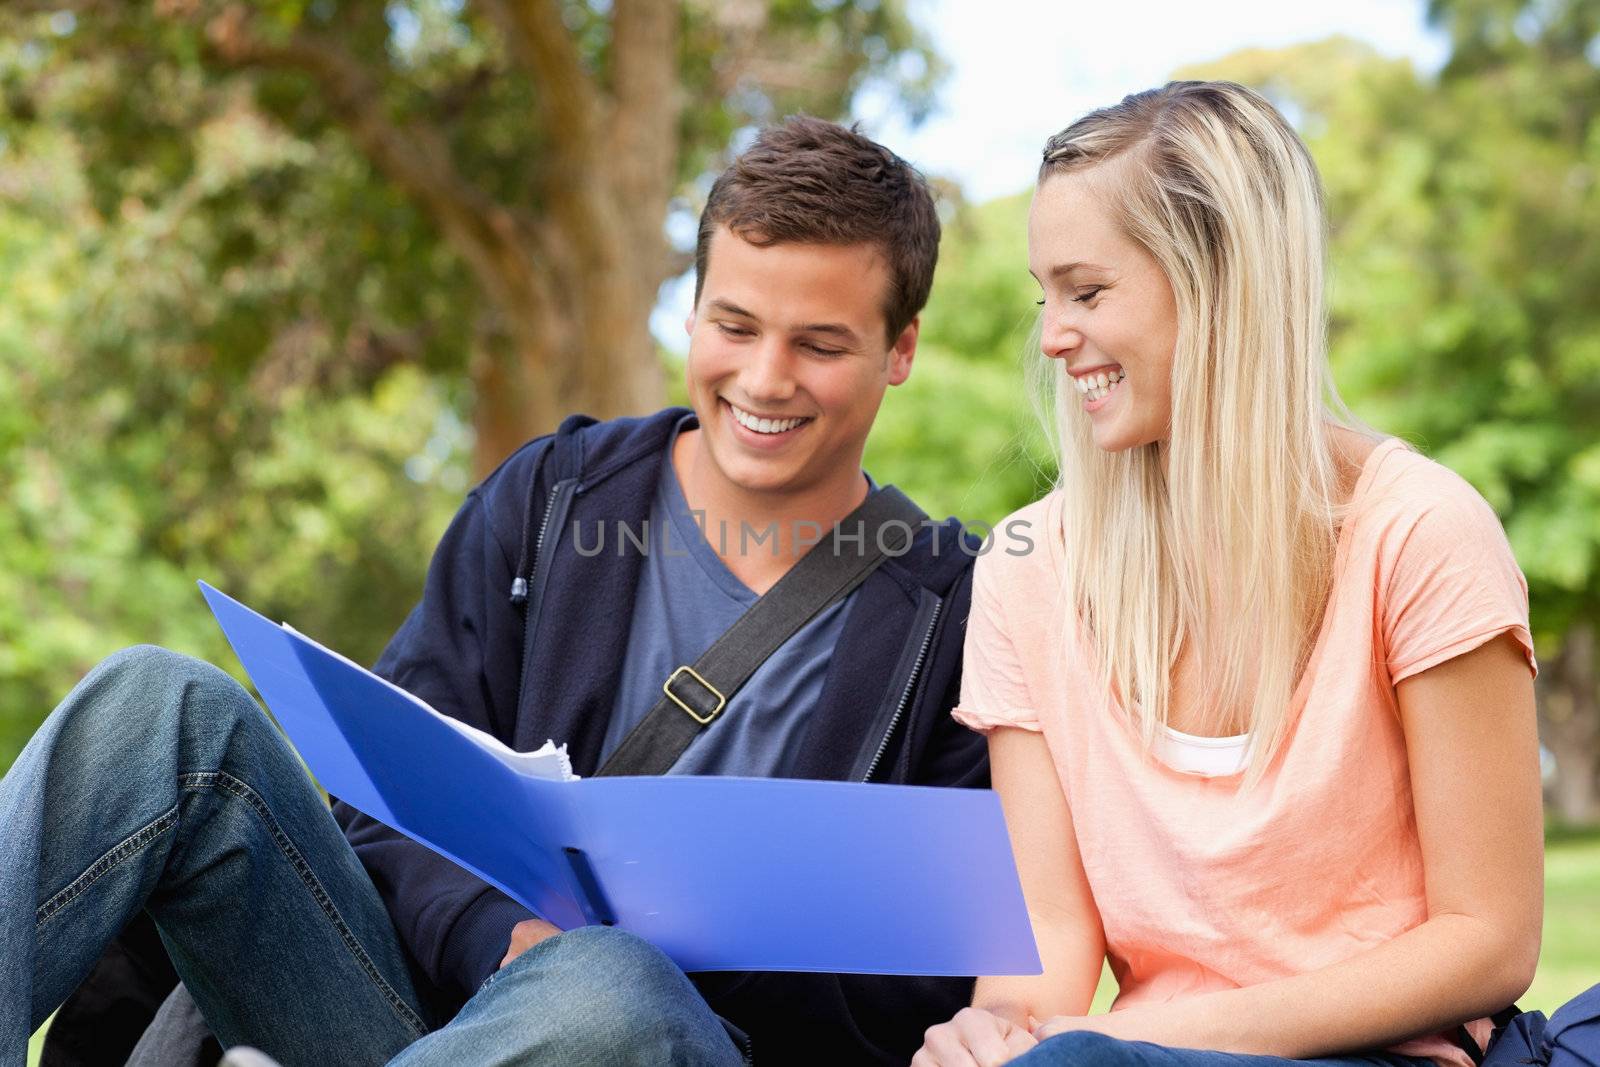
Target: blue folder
[[748, 874]]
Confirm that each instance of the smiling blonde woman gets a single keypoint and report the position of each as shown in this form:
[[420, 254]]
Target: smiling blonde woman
[[1255, 751]]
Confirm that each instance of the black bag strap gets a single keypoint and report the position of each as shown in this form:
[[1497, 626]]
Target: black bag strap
[[694, 696], [1462, 1038]]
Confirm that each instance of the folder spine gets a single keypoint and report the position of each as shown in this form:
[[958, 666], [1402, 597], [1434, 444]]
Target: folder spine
[[590, 896]]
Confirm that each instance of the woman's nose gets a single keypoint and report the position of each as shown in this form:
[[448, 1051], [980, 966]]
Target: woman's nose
[[1059, 338]]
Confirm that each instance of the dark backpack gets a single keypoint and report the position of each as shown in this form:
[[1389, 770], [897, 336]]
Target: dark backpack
[[1569, 1038]]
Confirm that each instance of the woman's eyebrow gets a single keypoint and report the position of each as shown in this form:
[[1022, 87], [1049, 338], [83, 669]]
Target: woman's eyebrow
[[1068, 268]]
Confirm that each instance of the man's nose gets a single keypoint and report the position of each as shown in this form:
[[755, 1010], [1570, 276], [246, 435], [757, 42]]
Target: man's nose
[[768, 374]]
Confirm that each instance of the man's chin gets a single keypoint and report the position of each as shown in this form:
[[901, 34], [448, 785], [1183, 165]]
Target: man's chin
[[764, 482], [752, 472]]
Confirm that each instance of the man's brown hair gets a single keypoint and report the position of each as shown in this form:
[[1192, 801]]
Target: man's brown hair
[[810, 181]]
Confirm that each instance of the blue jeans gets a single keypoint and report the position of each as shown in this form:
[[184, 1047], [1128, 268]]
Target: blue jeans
[[1085, 1049], [160, 784]]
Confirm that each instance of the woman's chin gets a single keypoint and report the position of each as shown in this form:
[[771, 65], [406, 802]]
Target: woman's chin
[[1111, 439]]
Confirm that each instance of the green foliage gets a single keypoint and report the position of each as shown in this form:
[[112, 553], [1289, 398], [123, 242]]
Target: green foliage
[[982, 302], [818, 54], [962, 435], [961, 439], [133, 465]]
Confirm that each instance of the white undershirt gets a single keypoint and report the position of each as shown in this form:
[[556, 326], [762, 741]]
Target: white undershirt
[[1209, 757]]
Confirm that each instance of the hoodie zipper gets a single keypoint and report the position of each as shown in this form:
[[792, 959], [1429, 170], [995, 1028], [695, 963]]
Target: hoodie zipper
[[555, 512], [905, 693]]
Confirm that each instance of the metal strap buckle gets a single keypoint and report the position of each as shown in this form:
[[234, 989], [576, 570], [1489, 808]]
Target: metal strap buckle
[[705, 718]]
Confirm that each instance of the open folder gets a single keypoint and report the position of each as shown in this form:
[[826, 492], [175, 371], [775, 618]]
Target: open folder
[[720, 873]]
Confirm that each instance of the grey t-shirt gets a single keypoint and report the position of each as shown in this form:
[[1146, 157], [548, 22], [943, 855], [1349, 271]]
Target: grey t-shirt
[[686, 599]]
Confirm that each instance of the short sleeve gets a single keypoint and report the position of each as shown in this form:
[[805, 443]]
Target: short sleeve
[[1453, 584], [994, 691]]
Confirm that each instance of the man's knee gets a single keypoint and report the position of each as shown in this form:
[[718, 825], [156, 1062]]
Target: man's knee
[[144, 693], [608, 994], [151, 665], [607, 974], [607, 950]]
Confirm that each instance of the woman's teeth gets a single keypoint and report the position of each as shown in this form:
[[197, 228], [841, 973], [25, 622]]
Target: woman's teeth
[[759, 425], [1098, 386]]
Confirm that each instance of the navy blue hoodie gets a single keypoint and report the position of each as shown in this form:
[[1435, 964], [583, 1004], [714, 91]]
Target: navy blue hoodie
[[518, 634]]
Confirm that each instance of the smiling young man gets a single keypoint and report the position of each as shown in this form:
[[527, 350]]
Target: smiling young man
[[540, 620]]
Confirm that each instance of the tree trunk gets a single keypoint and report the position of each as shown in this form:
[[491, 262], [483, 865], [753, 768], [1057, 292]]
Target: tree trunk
[[524, 387], [503, 403], [574, 338], [1569, 721]]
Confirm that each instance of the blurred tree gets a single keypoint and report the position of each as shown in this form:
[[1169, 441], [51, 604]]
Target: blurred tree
[[140, 450], [1525, 76], [121, 491], [1464, 216], [510, 162], [963, 435]]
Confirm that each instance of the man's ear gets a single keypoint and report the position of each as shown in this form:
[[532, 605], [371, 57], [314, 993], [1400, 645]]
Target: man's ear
[[904, 350]]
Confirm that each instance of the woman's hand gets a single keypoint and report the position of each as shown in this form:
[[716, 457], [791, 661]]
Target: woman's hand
[[974, 1038]]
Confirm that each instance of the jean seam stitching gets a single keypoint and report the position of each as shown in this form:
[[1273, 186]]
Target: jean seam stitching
[[297, 861], [113, 858]]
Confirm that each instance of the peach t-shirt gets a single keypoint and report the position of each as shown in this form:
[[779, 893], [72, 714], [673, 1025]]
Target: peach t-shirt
[[1200, 886]]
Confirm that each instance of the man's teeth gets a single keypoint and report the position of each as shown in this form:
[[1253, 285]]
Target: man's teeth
[[751, 422], [1097, 386]]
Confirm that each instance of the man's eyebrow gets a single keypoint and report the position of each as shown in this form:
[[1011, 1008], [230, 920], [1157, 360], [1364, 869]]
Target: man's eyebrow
[[719, 304], [835, 329]]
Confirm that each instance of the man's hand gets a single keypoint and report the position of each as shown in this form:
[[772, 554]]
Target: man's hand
[[974, 1038], [525, 935]]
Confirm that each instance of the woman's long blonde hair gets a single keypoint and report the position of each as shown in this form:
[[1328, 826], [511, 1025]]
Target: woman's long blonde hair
[[1223, 537]]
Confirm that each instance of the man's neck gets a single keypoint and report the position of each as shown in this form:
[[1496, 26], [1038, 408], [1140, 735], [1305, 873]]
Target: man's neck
[[759, 536]]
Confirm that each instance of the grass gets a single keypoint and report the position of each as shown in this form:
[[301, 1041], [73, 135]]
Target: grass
[[1569, 963], [36, 1045]]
